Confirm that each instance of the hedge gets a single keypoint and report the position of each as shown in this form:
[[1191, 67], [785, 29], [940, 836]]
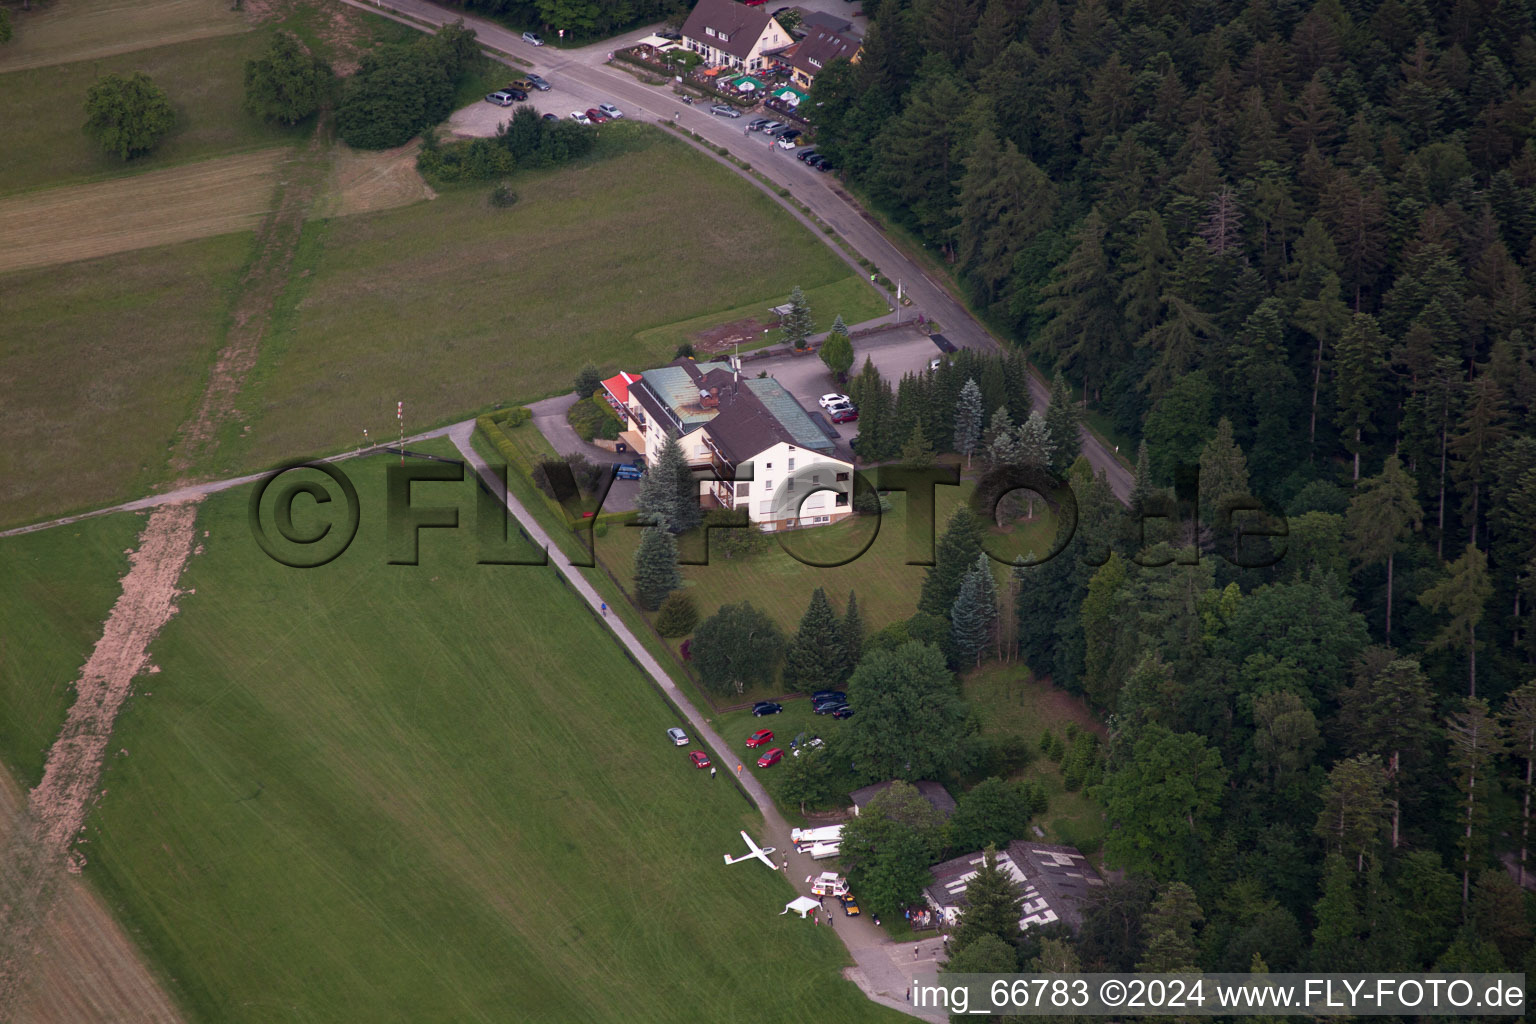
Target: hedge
[[491, 427]]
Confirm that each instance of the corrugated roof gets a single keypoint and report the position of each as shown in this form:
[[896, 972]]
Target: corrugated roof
[[783, 407], [675, 386]]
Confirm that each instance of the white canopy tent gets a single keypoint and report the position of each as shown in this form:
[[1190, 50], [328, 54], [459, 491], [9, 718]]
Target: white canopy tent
[[801, 905]]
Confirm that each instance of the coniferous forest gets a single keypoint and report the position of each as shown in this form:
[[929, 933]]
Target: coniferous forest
[[1292, 243]]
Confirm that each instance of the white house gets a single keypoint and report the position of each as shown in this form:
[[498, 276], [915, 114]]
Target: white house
[[768, 455], [731, 34]]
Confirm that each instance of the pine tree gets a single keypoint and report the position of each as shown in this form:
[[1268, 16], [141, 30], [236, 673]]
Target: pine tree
[[993, 903], [1065, 421], [817, 657], [1223, 472], [1354, 808], [1387, 712], [656, 572], [1382, 514], [918, 450], [1482, 428], [1170, 930], [968, 413], [853, 634], [1142, 490], [973, 615], [797, 325], [956, 553], [1464, 594], [1359, 377], [1476, 744]]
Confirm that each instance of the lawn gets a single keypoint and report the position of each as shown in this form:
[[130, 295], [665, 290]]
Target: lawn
[[104, 360], [1011, 701], [64, 31], [45, 144], [852, 297], [393, 793], [452, 305], [59, 586]]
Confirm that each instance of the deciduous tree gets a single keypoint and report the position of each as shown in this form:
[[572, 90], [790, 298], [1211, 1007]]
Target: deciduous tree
[[737, 647], [911, 723], [286, 84], [127, 115]]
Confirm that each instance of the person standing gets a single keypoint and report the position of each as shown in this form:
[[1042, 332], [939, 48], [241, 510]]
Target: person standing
[[711, 771]]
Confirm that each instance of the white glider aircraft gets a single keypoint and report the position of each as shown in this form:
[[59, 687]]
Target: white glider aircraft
[[761, 853]]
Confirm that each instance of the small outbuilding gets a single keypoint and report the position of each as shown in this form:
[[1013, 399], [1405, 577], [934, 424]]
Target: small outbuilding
[[933, 792]]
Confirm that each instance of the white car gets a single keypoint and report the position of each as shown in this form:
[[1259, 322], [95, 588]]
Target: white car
[[532, 37], [678, 737], [828, 401], [611, 110], [786, 142], [580, 118]]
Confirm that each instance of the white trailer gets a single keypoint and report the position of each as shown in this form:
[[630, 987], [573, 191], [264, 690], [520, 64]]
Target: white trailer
[[808, 837], [821, 851]]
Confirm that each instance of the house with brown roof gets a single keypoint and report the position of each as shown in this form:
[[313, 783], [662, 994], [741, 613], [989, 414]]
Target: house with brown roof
[[818, 49], [762, 449], [933, 792], [731, 34]]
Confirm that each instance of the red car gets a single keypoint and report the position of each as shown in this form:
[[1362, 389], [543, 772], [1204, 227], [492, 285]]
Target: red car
[[596, 116], [760, 737], [845, 415], [699, 758], [773, 757]]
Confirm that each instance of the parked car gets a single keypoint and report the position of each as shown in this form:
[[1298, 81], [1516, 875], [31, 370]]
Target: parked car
[[610, 110], [580, 118], [845, 414], [699, 758], [551, 117], [771, 758], [773, 127], [596, 116], [501, 98], [521, 85], [518, 94], [724, 110], [532, 37], [669, 33], [766, 707], [843, 406], [805, 155], [630, 470], [820, 694], [760, 738], [843, 712], [850, 907], [821, 163], [787, 139], [830, 399], [537, 82], [758, 124], [677, 736], [755, 3], [827, 707]]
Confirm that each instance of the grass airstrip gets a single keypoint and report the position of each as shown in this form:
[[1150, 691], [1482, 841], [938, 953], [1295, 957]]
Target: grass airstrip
[[404, 793]]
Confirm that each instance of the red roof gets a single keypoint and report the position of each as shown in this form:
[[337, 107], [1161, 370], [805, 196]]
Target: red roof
[[618, 386]]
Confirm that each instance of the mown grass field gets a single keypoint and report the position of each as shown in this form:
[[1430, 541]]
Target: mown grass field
[[452, 305], [211, 197], [59, 586], [205, 80], [103, 361], [65, 31], [853, 297], [390, 793]]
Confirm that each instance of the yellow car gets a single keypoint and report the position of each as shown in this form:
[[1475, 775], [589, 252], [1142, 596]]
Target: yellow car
[[850, 907]]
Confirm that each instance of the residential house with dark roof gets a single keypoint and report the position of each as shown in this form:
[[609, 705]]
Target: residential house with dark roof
[[766, 454], [1055, 882], [933, 792], [819, 48], [728, 33]]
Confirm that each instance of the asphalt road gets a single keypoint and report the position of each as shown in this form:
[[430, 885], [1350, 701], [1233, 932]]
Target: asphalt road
[[584, 72]]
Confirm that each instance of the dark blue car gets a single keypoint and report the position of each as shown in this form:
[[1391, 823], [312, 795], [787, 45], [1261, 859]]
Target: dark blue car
[[630, 470]]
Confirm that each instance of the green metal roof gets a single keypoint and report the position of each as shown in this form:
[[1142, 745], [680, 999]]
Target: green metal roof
[[675, 387], [789, 413]]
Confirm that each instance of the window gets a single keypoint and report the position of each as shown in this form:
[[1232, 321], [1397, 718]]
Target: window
[[842, 478], [768, 465], [791, 485], [763, 507], [815, 479], [767, 486], [842, 499], [708, 31], [791, 465], [821, 519], [742, 490]]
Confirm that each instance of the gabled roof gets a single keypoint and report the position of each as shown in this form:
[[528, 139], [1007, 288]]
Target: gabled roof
[[936, 795], [727, 25], [1054, 881], [821, 47], [821, 19]]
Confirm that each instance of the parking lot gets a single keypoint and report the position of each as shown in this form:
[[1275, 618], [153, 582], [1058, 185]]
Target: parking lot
[[481, 119]]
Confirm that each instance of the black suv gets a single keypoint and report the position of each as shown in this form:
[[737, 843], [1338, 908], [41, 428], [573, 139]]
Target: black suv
[[766, 707]]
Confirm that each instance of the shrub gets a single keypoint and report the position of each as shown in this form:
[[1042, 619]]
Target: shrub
[[678, 615], [286, 84], [684, 351], [515, 417], [1047, 742], [503, 196], [592, 418]]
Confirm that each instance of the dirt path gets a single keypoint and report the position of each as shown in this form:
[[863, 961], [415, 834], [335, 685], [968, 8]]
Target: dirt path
[[276, 241], [55, 954]]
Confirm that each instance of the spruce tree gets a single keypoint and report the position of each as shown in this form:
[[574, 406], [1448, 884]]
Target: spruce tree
[[838, 327], [853, 635], [1223, 472], [668, 490], [1477, 742], [1170, 930], [1464, 593], [1064, 419], [678, 615], [1141, 491], [974, 613], [993, 903], [956, 553], [1359, 376], [587, 381], [656, 572], [817, 656], [797, 325], [1002, 440], [917, 451], [1382, 514], [968, 413], [1036, 449]]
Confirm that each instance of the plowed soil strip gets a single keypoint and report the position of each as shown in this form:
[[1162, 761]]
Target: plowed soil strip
[[214, 197], [39, 848]]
